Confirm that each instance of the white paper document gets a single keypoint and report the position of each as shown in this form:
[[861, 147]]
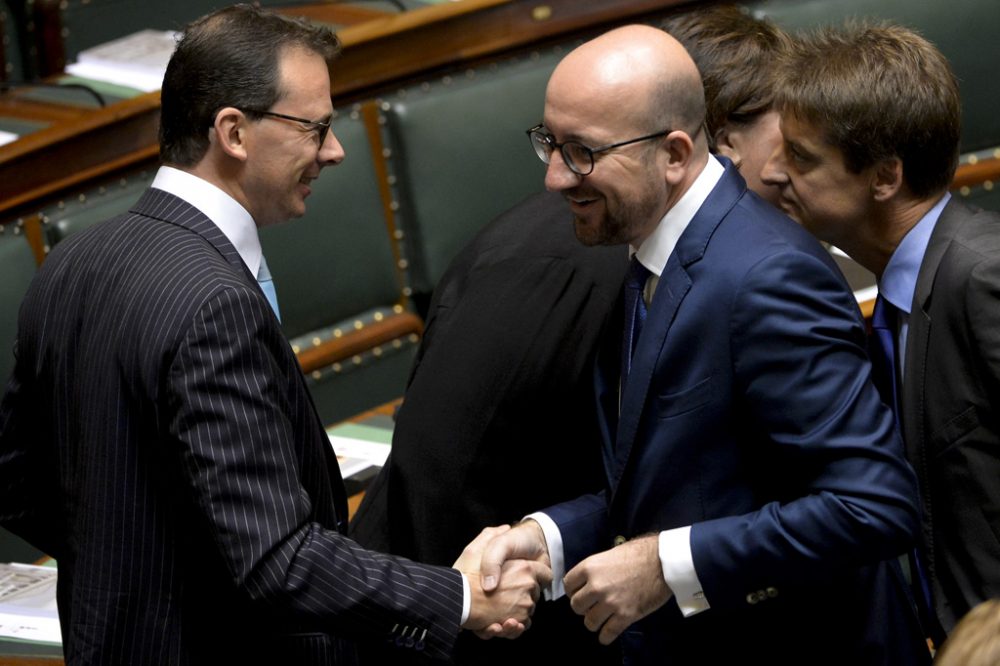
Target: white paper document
[[138, 60], [28, 603]]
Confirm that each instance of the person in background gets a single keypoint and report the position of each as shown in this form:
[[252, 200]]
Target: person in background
[[503, 374], [157, 436], [737, 56], [870, 118]]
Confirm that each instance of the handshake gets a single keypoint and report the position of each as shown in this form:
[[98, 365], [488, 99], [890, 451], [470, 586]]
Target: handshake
[[504, 590], [508, 567]]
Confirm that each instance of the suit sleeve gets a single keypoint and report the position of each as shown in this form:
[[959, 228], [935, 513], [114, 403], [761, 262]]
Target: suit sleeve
[[822, 433], [231, 416]]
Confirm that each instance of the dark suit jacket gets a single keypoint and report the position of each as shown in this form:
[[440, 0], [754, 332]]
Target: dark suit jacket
[[158, 439], [503, 376], [951, 408], [749, 415]]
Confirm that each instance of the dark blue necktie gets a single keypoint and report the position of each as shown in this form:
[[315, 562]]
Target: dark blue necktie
[[884, 319], [884, 324], [635, 312]]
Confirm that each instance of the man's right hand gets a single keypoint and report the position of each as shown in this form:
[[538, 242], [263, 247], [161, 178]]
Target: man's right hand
[[504, 610]]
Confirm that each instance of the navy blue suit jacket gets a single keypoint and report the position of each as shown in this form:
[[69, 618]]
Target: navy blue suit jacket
[[749, 414], [157, 438]]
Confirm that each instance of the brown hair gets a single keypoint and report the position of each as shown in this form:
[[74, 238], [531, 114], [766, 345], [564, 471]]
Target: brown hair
[[227, 58], [877, 92], [736, 55]]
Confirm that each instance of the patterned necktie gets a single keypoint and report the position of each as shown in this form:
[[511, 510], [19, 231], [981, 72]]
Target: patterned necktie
[[635, 312], [267, 286]]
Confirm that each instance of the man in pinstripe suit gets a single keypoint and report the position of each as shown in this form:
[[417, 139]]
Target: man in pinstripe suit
[[157, 437]]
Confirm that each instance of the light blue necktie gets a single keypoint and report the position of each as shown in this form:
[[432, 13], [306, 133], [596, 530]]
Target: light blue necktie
[[267, 286]]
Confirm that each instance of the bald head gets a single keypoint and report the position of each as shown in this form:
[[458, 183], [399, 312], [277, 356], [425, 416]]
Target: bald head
[[639, 73], [624, 111]]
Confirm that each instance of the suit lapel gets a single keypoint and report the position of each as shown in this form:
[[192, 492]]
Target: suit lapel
[[673, 287], [918, 335], [166, 207]]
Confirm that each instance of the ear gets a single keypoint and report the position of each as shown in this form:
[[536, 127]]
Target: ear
[[231, 132], [679, 148], [887, 179], [726, 141]]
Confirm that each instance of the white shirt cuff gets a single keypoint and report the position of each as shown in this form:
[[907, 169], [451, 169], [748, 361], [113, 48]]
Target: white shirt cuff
[[466, 600], [678, 570], [557, 559]]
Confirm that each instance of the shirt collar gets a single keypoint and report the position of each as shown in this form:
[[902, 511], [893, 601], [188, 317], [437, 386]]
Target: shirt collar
[[656, 249], [899, 280], [225, 212]]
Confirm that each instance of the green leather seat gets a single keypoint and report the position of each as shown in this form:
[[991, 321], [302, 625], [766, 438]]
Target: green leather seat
[[17, 267], [78, 211], [460, 156], [336, 275], [965, 31]]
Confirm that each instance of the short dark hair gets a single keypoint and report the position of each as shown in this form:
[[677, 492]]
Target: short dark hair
[[737, 56], [228, 58], [877, 91]]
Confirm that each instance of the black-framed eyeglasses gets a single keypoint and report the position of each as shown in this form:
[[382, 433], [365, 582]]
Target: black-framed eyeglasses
[[578, 157], [318, 126]]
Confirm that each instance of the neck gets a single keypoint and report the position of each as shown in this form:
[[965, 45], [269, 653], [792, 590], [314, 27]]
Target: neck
[[892, 220]]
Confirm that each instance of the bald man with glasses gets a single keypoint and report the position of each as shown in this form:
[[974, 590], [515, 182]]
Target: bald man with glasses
[[754, 481]]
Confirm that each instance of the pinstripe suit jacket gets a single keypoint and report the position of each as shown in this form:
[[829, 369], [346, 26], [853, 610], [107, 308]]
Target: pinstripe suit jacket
[[158, 439]]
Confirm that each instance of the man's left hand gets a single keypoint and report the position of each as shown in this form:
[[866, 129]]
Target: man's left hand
[[617, 587]]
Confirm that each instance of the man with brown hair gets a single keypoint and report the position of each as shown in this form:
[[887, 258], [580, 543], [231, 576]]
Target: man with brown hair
[[870, 117], [737, 56]]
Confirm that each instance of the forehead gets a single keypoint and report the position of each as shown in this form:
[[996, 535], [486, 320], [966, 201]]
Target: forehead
[[304, 76], [807, 134], [589, 112]]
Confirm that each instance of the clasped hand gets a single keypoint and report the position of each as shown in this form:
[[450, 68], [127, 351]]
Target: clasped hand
[[611, 589], [502, 610]]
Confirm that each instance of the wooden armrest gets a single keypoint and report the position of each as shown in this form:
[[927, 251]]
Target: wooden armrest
[[360, 340]]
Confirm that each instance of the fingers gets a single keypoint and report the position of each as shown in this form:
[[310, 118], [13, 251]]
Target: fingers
[[526, 541]]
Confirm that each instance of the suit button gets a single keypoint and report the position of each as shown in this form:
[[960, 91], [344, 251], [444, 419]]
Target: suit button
[[619, 540], [752, 598], [772, 592]]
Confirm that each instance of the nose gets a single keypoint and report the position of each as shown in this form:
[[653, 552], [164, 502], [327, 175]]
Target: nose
[[775, 171], [331, 152], [558, 176]]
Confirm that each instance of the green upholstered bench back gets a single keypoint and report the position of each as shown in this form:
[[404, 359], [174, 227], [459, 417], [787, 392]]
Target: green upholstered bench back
[[459, 155], [17, 268], [338, 259], [83, 209], [337, 278], [966, 31]]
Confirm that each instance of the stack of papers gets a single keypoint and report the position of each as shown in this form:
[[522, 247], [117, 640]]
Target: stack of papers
[[359, 447], [28, 603], [137, 61]]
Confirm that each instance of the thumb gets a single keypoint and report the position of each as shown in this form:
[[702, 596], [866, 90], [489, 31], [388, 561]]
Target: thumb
[[494, 555]]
